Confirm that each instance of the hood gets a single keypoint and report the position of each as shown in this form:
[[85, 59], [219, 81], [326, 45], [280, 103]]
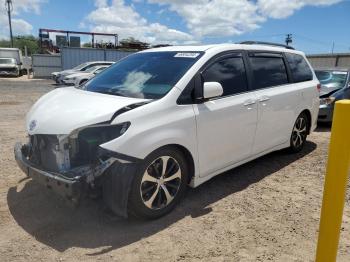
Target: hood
[[63, 110], [329, 88], [78, 75], [67, 72]]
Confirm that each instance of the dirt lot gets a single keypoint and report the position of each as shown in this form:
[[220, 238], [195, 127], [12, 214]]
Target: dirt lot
[[267, 210]]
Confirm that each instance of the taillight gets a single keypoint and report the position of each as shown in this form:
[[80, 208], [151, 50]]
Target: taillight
[[319, 87]]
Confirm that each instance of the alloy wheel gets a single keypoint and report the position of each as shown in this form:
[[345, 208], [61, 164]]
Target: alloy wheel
[[299, 132], [160, 183]]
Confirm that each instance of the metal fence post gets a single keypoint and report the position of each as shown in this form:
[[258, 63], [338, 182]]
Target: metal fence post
[[335, 184]]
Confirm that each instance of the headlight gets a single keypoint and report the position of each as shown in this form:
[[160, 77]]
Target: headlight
[[327, 100], [101, 133], [84, 143]]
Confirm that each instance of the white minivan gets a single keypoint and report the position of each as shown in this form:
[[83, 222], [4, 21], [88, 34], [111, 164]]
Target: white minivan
[[164, 118]]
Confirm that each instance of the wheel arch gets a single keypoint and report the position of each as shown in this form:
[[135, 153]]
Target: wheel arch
[[307, 112], [188, 156]]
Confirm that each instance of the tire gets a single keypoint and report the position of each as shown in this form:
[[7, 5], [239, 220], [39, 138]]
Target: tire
[[299, 133], [155, 190]]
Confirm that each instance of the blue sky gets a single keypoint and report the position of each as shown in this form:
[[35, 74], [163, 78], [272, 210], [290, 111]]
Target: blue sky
[[315, 25]]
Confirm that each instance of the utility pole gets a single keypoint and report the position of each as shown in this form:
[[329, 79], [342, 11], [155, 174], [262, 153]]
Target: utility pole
[[289, 39], [9, 8]]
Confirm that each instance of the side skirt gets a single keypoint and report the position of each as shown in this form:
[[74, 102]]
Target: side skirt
[[196, 181]]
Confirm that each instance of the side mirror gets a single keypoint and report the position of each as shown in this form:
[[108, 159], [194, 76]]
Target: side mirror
[[20, 63], [212, 89]]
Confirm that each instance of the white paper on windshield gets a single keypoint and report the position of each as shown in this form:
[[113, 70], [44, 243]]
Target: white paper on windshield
[[187, 55]]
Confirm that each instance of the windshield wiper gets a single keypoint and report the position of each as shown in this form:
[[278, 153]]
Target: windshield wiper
[[109, 92]]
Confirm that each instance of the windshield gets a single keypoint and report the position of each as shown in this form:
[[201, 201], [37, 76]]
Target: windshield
[[100, 70], [81, 66], [7, 61], [332, 78], [92, 69], [149, 75]]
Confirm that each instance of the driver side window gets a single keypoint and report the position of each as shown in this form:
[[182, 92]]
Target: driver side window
[[230, 73]]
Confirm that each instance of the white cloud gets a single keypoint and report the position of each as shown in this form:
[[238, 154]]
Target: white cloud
[[285, 8], [19, 26], [203, 18], [121, 19], [216, 17], [211, 18]]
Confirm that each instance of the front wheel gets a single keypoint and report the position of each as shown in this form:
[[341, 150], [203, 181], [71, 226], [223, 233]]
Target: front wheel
[[299, 133], [159, 184]]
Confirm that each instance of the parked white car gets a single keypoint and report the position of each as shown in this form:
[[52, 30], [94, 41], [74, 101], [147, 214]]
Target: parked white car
[[162, 119], [59, 76], [78, 79]]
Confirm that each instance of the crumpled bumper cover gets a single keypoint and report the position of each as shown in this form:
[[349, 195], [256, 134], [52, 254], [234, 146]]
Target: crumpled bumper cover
[[118, 174], [70, 188]]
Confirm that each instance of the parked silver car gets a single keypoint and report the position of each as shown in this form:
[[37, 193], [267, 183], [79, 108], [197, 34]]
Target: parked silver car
[[59, 76], [335, 85]]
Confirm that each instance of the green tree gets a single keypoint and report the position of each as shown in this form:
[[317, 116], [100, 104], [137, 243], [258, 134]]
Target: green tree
[[132, 43], [20, 42], [87, 44]]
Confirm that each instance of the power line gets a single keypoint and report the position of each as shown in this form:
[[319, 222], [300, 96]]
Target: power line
[[9, 8]]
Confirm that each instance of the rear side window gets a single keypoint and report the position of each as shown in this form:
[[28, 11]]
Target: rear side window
[[268, 71], [230, 73], [300, 69]]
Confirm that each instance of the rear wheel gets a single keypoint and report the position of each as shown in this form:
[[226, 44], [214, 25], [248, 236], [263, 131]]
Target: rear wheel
[[159, 184], [299, 133]]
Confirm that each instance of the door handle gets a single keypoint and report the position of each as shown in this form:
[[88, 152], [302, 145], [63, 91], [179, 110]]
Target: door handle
[[249, 102], [264, 99]]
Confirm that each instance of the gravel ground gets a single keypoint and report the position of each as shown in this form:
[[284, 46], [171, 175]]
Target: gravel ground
[[266, 210]]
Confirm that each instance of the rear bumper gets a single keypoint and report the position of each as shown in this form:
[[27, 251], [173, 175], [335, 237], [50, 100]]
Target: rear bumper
[[70, 188]]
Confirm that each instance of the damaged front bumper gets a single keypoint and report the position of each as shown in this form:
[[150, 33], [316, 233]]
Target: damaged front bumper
[[325, 114], [71, 184]]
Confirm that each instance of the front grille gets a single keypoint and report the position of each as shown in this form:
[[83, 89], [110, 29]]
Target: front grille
[[8, 69]]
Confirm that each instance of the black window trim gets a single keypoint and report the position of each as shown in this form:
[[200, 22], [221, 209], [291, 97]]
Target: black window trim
[[197, 80], [265, 53], [290, 69], [219, 58], [245, 54]]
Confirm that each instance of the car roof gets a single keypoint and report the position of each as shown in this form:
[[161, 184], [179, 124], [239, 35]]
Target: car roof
[[221, 47]]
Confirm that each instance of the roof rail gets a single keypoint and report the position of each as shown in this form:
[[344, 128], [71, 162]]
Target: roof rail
[[265, 43]]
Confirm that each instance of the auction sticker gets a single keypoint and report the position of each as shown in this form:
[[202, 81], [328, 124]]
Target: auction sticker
[[187, 55]]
